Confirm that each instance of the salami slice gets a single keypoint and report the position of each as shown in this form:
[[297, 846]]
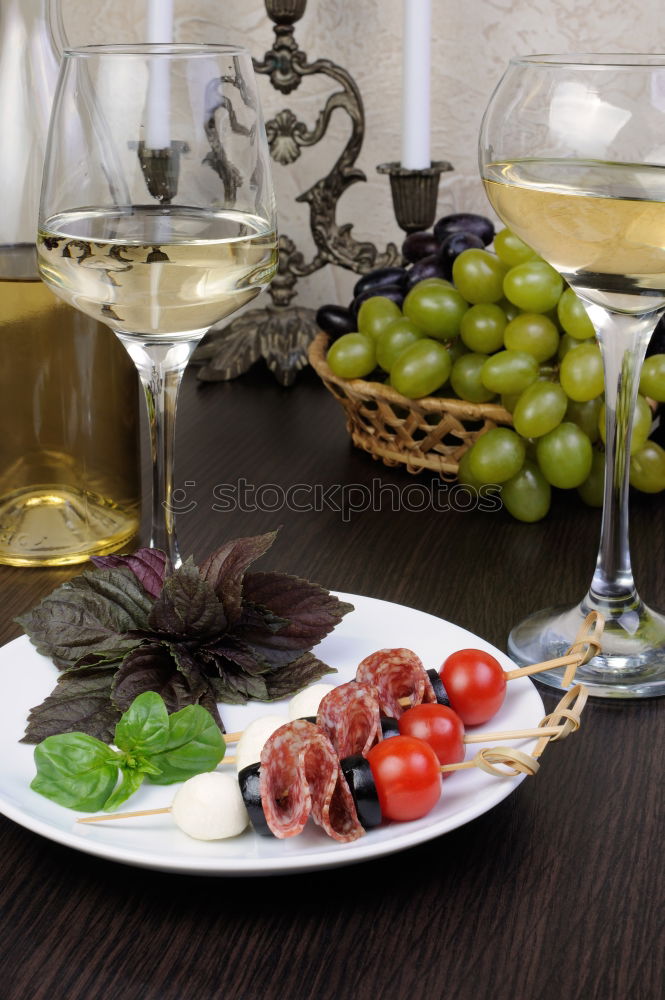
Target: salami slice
[[301, 776], [396, 673], [350, 717]]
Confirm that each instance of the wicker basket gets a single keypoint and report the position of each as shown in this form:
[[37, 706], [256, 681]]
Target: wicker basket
[[431, 433]]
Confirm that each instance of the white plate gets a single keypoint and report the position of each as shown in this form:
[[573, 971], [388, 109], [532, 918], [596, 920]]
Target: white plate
[[155, 842]]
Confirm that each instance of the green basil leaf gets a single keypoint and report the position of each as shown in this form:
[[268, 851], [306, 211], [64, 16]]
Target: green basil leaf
[[75, 770], [144, 728], [195, 745], [132, 779]]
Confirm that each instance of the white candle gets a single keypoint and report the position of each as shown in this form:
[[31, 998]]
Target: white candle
[[158, 111], [416, 84]]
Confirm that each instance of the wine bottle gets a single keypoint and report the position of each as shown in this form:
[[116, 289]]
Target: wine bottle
[[69, 398]]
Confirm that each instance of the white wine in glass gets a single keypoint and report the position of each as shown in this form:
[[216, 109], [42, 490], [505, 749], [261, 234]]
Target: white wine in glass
[[157, 214], [572, 156]]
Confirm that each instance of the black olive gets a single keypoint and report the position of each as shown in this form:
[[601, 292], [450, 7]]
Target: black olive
[[335, 321], [248, 779], [455, 244], [393, 292], [439, 690], [380, 277], [465, 222], [428, 267], [359, 778], [419, 245], [389, 727]]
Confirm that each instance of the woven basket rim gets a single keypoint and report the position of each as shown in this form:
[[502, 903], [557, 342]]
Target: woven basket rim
[[377, 390]]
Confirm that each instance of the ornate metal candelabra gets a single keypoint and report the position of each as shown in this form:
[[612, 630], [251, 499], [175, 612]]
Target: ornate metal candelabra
[[282, 334]]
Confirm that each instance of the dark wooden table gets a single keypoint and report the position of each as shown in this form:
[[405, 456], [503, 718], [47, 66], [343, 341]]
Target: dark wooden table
[[555, 893]]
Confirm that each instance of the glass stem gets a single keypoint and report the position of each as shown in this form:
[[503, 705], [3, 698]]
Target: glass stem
[[160, 367], [623, 340]]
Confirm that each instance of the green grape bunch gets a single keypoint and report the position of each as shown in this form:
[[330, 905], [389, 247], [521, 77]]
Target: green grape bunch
[[480, 316]]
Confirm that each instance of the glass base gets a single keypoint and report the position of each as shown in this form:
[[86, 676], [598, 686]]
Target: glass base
[[630, 665]]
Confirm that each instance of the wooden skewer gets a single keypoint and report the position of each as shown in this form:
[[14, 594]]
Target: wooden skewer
[[518, 762], [129, 815], [513, 734], [509, 734], [487, 760], [465, 765], [537, 668], [585, 646]]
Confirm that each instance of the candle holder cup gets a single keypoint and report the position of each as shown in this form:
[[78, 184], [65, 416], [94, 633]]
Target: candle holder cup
[[414, 193]]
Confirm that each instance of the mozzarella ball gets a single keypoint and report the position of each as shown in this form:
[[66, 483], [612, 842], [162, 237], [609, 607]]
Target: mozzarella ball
[[254, 737], [307, 702], [210, 807]]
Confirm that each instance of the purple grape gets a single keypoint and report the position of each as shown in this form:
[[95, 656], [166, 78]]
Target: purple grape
[[455, 244], [393, 292], [335, 321], [426, 267], [419, 245], [465, 222], [380, 277]]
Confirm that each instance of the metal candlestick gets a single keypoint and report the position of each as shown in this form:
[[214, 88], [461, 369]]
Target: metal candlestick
[[281, 335]]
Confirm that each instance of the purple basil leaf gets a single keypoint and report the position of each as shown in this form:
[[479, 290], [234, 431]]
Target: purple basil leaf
[[172, 672], [254, 616], [209, 702], [297, 675], [312, 612], [118, 586], [238, 688], [90, 614], [188, 665], [187, 606], [148, 566], [80, 702], [224, 569], [109, 658], [232, 654], [151, 668]]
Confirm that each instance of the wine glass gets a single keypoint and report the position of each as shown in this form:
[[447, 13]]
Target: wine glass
[[572, 155], [157, 214]]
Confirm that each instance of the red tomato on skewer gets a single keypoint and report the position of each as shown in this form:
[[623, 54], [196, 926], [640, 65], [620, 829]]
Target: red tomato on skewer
[[476, 685], [407, 777], [440, 727]]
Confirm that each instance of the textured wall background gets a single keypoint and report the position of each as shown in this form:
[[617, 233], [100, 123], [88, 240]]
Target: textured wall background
[[472, 42]]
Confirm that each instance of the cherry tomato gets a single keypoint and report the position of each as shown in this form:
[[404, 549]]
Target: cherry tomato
[[439, 726], [476, 685], [407, 777]]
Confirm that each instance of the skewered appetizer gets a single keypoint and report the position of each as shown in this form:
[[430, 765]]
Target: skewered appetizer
[[375, 750]]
